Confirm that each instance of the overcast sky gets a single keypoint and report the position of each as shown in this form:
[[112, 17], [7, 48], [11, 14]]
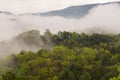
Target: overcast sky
[[31, 6]]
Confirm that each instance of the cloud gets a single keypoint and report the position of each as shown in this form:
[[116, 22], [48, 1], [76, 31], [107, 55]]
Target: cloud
[[105, 17]]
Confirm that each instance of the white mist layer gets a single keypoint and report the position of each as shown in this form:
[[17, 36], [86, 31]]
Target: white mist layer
[[102, 18]]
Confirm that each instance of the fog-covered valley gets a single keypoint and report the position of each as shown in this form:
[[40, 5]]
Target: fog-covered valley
[[100, 19]]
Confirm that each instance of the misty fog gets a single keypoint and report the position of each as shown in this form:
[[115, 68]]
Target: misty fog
[[101, 19]]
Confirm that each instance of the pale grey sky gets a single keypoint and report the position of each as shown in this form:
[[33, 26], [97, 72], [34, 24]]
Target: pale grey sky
[[31, 6]]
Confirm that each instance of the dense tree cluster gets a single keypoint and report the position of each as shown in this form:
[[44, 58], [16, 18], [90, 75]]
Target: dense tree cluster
[[73, 57]]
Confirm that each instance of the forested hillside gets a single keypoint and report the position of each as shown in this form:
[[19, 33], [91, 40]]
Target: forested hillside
[[71, 56]]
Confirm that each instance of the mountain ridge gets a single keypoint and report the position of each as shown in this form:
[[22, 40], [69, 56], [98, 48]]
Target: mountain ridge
[[74, 11], [6, 12], [78, 11]]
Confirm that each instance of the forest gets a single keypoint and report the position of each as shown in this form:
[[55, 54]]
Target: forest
[[72, 56]]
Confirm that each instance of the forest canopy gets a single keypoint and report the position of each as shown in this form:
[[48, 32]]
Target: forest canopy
[[72, 56]]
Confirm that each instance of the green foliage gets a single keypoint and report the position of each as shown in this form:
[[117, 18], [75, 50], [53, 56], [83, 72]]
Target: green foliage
[[73, 57], [85, 76], [8, 76]]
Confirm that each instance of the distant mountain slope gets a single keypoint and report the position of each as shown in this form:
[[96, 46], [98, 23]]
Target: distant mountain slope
[[73, 11], [70, 12], [6, 12]]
